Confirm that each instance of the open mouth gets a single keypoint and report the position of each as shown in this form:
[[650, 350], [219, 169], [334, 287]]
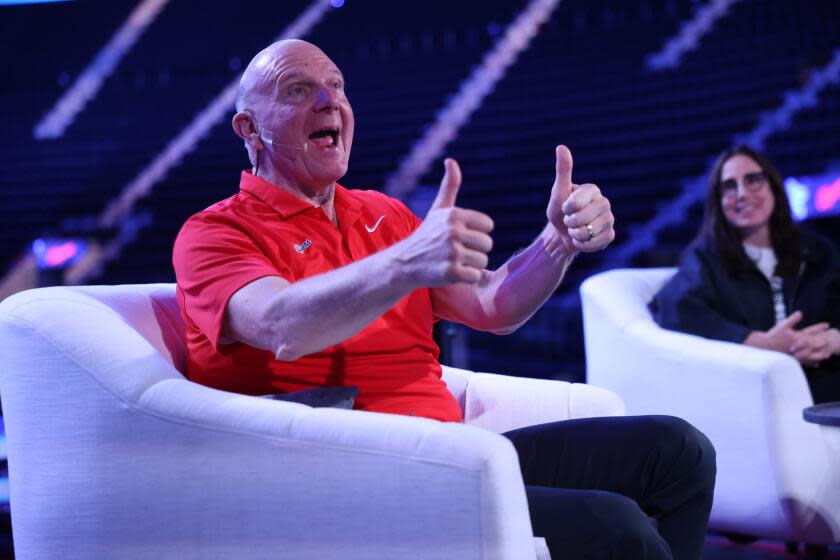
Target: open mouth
[[325, 137]]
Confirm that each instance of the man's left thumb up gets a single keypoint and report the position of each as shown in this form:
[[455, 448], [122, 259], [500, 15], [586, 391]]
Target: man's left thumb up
[[563, 173]]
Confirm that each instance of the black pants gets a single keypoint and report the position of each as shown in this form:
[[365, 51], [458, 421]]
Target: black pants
[[624, 487]]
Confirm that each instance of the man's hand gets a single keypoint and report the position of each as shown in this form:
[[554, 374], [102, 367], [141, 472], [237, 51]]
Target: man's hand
[[452, 243], [580, 213]]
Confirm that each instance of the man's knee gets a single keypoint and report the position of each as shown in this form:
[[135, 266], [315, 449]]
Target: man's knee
[[690, 443], [696, 442], [625, 531]]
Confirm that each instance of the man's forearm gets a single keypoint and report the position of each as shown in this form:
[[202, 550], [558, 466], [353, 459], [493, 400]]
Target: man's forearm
[[507, 297], [315, 313], [523, 284]]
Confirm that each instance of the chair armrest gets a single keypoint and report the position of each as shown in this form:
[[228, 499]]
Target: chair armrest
[[457, 380], [366, 478], [501, 402]]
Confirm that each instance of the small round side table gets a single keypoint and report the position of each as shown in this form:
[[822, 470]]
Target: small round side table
[[827, 416]]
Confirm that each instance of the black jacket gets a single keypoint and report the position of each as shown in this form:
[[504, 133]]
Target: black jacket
[[704, 299]]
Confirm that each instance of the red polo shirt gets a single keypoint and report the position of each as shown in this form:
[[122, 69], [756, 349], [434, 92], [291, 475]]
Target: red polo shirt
[[265, 231]]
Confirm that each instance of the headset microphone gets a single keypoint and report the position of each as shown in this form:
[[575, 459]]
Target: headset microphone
[[266, 136]]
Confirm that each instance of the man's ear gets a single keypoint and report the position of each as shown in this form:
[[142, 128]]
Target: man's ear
[[243, 126]]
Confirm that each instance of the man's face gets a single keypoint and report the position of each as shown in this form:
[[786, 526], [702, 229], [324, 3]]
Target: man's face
[[303, 116]]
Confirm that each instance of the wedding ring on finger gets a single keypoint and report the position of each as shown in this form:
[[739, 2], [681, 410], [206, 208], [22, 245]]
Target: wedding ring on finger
[[590, 232]]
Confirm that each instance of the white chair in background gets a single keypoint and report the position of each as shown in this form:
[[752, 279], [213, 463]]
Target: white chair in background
[[114, 454], [776, 478]]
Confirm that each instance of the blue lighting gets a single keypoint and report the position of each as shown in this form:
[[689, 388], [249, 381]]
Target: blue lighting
[[39, 246], [798, 195], [815, 196], [58, 253], [336, 3]]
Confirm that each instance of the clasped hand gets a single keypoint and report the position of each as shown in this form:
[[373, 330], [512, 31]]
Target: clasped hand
[[452, 243], [810, 345]]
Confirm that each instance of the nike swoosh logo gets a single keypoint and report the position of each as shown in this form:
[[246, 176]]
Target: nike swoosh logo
[[376, 225]]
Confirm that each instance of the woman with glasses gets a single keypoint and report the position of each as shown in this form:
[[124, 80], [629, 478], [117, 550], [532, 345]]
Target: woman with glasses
[[753, 276]]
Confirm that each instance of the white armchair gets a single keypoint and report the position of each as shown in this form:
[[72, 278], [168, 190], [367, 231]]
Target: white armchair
[[113, 454], [775, 478]]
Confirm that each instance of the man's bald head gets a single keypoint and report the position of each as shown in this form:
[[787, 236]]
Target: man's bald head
[[262, 72]]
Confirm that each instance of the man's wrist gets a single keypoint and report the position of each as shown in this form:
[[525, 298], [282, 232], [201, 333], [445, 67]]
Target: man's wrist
[[397, 266], [558, 245]]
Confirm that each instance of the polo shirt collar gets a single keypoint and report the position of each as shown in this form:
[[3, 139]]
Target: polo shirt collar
[[347, 207], [282, 202]]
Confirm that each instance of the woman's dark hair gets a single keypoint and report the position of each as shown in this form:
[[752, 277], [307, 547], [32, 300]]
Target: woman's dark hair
[[784, 233]]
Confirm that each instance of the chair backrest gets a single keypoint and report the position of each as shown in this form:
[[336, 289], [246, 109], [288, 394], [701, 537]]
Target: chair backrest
[[626, 292], [97, 328], [74, 363], [612, 302]]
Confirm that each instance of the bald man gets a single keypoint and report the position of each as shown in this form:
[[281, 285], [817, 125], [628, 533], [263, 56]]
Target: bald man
[[296, 282]]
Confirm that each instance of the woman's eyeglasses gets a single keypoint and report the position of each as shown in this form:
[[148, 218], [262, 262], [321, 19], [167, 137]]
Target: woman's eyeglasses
[[752, 182]]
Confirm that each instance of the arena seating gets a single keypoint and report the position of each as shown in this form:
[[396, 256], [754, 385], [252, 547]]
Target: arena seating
[[583, 82]]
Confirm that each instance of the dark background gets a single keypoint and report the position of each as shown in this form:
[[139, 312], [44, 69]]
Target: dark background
[[583, 82], [637, 133]]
